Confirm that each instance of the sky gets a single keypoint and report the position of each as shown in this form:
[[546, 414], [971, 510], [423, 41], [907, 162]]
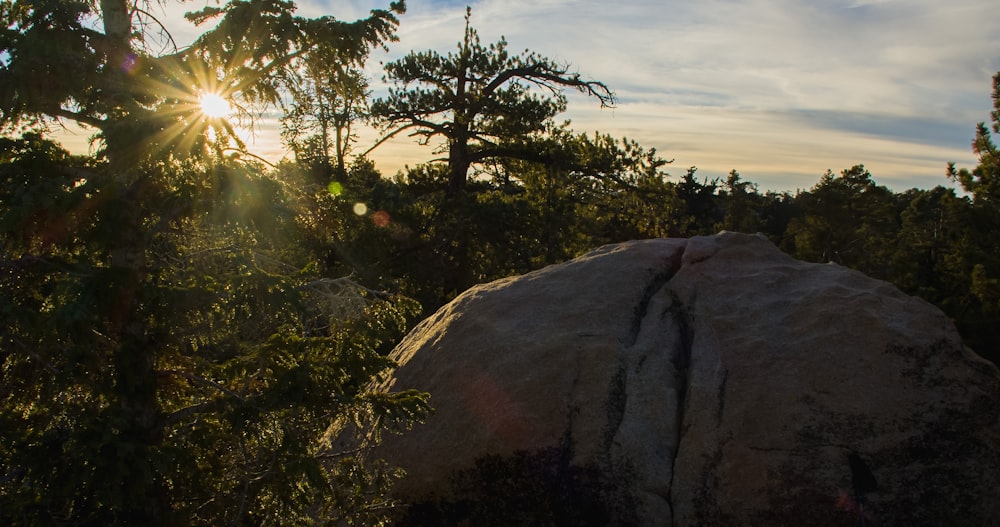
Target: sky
[[780, 90]]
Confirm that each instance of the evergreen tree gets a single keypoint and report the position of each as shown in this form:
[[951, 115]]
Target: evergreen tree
[[847, 219], [327, 101], [700, 209], [740, 201], [482, 101], [170, 356], [983, 182]]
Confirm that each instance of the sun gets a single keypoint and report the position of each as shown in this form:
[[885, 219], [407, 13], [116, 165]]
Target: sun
[[215, 106]]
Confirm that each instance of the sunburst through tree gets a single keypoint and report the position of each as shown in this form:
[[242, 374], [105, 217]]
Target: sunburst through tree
[[162, 363], [214, 106]]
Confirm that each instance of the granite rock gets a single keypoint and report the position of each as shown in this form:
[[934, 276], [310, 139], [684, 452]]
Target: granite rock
[[705, 381]]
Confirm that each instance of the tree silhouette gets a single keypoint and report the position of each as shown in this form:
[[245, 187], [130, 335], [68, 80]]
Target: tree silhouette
[[483, 101]]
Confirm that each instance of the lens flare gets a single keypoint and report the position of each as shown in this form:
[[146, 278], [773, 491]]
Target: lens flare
[[130, 63], [381, 219], [360, 209]]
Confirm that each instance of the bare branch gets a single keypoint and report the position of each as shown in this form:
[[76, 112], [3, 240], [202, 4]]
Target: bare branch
[[244, 152], [542, 74], [163, 28], [394, 133]]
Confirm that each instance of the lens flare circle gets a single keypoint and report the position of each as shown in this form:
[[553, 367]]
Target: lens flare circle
[[214, 105], [381, 219]]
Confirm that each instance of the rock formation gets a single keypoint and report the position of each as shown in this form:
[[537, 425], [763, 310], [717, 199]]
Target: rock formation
[[709, 381]]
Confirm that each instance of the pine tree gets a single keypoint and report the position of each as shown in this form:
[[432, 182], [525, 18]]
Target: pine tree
[[169, 355], [481, 100]]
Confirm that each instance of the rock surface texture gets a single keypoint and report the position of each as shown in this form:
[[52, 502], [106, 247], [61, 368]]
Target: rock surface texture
[[709, 381]]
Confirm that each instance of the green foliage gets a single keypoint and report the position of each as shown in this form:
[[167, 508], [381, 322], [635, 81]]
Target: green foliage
[[699, 212], [613, 185], [934, 243], [172, 355], [418, 239], [741, 202], [849, 220], [227, 383], [979, 307]]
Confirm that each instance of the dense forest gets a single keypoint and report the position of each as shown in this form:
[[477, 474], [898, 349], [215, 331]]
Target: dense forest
[[192, 336]]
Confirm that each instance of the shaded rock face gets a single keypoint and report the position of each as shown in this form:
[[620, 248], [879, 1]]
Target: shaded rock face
[[709, 381]]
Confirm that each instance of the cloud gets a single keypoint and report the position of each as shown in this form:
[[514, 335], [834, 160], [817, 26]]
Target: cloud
[[780, 89], [917, 130]]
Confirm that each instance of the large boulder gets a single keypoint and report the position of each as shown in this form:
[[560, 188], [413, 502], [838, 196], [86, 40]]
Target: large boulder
[[709, 381]]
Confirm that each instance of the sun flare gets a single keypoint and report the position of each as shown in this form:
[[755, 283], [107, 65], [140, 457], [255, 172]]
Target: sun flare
[[214, 106]]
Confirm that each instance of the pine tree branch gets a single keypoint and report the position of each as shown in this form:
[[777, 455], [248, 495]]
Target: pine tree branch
[[545, 75], [78, 117]]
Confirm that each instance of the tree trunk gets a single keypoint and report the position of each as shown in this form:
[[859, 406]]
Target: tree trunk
[[458, 149], [139, 436], [118, 30], [458, 163], [134, 396]]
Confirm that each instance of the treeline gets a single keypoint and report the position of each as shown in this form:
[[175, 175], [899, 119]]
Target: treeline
[[414, 238]]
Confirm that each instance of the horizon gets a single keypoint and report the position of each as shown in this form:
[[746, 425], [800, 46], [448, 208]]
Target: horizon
[[777, 90]]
